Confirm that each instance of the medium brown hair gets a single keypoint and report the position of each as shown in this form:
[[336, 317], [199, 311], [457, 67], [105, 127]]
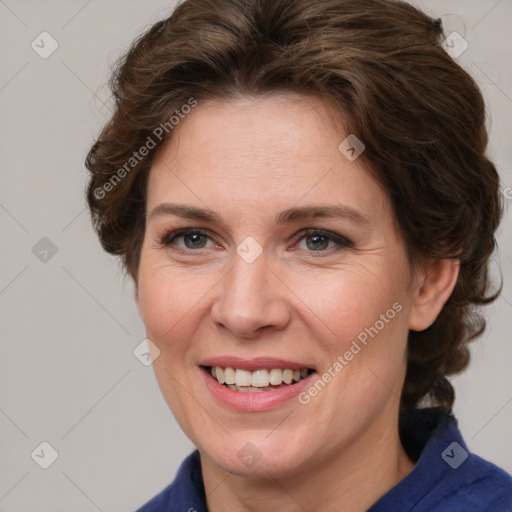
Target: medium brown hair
[[420, 116]]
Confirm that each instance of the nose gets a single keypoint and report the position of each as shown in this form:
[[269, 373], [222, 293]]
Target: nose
[[251, 300]]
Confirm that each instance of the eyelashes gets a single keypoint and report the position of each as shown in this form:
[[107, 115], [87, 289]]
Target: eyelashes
[[339, 240], [169, 238], [198, 239]]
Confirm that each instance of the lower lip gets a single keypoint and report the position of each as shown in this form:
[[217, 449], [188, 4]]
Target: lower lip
[[256, 400]]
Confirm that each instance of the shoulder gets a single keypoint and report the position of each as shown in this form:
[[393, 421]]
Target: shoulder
[[465, 481], [447, 477], [160, 502], [479, 486], [468, 481], [184, 494]]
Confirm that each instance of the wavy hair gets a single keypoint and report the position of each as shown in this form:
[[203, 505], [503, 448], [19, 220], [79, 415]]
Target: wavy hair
[[420, 115]]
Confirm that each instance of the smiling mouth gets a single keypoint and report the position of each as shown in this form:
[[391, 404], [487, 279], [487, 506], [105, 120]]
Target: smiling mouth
[[238, 379]]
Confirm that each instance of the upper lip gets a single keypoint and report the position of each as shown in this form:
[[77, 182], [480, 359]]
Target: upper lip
[[254, 363]]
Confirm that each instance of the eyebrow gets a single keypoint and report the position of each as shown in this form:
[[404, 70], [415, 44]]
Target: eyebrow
[[187, 212], [285, 217], [324, 211]]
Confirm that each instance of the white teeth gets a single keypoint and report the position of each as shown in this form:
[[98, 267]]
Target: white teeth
[[288, 376], [260, 379], [236, 378], [243, 378], [276, 376], [229, 376], [251, 389]]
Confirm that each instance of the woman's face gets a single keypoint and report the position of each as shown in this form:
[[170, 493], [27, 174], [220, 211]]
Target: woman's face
[[292, 261]]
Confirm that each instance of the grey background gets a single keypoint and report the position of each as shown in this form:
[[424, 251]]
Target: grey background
[[69, 325]]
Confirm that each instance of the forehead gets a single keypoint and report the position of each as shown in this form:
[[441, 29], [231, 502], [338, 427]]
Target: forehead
[[277, 150], [285, 127]]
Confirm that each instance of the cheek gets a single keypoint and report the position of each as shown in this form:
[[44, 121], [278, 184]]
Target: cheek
[[361, 330], [168, 301], [352, 303]]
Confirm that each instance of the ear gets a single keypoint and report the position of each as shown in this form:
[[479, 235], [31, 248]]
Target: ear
[[435, 285]]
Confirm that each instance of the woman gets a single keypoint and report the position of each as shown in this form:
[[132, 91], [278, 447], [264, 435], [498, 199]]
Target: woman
[[307, 211]]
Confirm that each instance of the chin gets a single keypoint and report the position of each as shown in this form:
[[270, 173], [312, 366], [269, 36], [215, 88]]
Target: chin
[[245, 456]]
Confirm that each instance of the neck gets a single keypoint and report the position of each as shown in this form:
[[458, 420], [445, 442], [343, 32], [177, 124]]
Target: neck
[[356, 475]]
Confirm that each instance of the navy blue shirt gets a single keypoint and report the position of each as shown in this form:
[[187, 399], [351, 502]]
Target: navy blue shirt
[[446, 477]]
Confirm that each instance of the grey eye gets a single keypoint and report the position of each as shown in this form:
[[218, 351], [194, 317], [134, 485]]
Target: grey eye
[[317, 242], [195, 240]]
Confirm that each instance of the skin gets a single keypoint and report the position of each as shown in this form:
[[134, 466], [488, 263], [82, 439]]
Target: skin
[[247, 160]]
